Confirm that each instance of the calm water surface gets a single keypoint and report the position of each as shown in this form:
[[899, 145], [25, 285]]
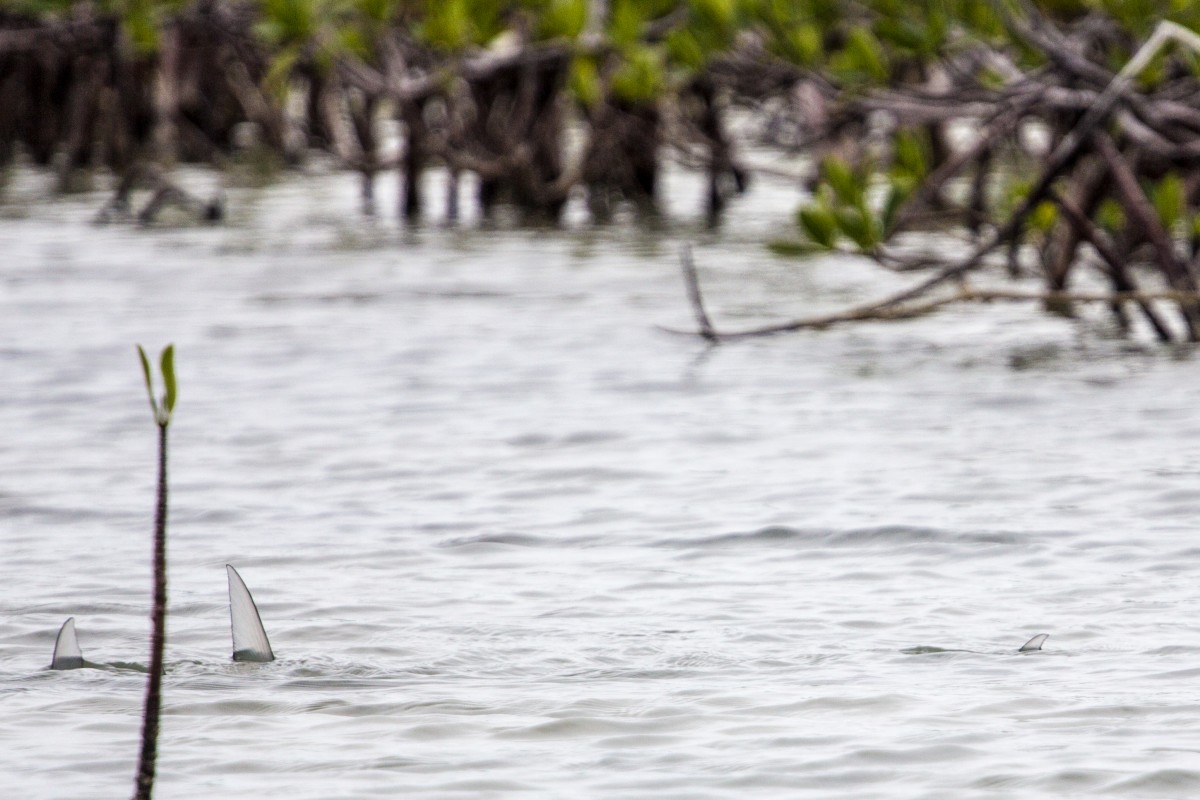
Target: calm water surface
[[511, 540]]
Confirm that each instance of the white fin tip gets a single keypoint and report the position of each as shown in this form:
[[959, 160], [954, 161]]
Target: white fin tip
[[1035, 643], [249, 637], [67, 654]]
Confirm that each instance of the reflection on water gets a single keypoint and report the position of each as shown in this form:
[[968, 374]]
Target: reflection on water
[[508, 539]]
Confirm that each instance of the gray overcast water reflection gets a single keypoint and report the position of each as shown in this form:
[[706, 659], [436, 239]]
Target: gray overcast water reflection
[[510, 540]]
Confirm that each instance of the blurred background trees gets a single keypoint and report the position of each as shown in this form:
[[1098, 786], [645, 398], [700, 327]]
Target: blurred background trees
[[1002, 122]]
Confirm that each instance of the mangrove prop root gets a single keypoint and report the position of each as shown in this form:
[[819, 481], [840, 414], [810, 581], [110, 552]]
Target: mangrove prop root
[[1086, 113], [1118, 271], [1142, 212]]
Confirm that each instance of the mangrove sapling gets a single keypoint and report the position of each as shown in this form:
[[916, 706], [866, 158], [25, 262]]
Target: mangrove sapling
[[162, 408]]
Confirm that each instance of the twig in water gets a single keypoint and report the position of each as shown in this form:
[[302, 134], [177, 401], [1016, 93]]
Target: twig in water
[[693, 291], [908, 310]]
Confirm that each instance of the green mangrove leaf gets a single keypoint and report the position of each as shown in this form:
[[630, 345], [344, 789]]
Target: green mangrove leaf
[[937, 25], [1153, 73], [866, 54], [819, 223], [804, 45], [826, 13], [149, 380], [279, 70], [991, 79], [447, 25], [168, 371], [910, 153], [904, 33], [354, 41], [684, 48], [982, 19], [1013, 194], [289, 21], [1138, 16], [641, 77], [380, 12], [1170, 200], [1043, 216], [585, 81], [857, 227], [892, 204], [792, 247], [142, 27], [626, 18], [562, 19], [718, 16], [1110, 215], [841, 178]]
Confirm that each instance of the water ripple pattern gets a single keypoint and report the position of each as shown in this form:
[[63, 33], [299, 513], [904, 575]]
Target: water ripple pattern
[[511, 541]]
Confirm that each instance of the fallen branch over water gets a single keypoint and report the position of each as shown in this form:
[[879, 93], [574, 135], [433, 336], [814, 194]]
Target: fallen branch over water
[[909, 304]]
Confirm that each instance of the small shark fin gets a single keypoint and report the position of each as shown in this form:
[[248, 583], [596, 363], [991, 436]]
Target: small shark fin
[[249, 637], [67, 654], [1035, 643]]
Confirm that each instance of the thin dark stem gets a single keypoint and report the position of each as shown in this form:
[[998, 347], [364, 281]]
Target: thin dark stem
[[144, 787], [413, 162], [694, 297]]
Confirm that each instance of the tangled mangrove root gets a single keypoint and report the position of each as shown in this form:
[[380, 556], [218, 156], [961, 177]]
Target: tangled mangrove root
[[1115, 195]]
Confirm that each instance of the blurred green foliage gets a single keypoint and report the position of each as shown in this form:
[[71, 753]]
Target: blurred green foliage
[[854, 44], [642, 50], [866, 34]]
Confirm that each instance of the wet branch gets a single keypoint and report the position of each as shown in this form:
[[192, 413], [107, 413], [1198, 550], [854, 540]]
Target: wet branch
[[914, 305]]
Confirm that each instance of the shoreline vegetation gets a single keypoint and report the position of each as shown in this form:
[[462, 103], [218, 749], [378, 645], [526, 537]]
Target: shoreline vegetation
[[1058, 139]]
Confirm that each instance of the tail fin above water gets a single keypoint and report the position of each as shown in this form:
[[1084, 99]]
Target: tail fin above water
[[1034, 644], [67, 654], [249, 637]]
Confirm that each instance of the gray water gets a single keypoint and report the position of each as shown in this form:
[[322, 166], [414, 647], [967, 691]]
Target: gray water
[[510, 539]]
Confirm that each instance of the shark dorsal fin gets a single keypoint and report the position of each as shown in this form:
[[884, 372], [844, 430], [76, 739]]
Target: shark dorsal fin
[[67, 654], [249, 637], [1035, 643]]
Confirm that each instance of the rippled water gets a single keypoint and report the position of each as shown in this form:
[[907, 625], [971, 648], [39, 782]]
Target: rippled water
[[511, 540]]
